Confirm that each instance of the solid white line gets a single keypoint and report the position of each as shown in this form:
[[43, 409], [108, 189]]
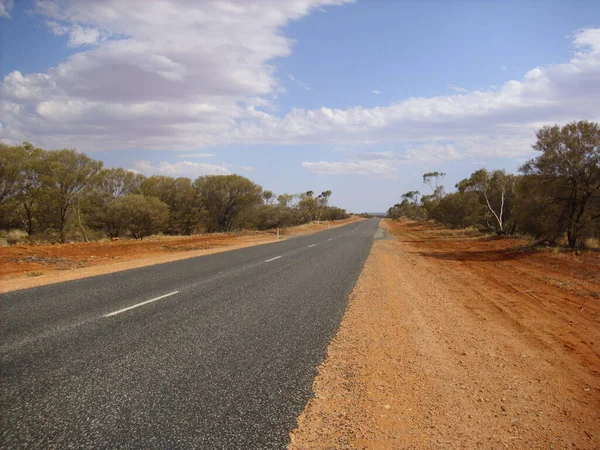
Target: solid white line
[[273, 259], [311, 245], [140, 304]]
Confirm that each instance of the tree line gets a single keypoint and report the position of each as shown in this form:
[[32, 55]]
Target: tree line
[[555, 195], [62, 195]]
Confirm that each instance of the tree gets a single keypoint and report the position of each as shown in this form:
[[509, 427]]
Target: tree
[[63, 191], [458, 209], [140, 216], [116, 182], [109, 185], [12, 164], [495, 191], [568, 169], [180, 195], [65, 174], [20, 183], [430, 202], [322, 201], [225, 199], [434, 181], [285, 199], [307, 207], [535, 212], [268, 197]]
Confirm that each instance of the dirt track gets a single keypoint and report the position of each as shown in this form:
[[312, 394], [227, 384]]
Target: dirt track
[[452, 341], [25, 266]]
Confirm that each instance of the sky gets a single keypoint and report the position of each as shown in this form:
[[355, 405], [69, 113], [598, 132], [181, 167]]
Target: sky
[[358, 97]]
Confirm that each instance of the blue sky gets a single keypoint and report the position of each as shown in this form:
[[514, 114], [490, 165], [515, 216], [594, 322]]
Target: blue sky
[[358, 97]]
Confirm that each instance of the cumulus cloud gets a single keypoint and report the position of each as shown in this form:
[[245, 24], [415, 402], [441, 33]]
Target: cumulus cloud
[[5, 7], [185, 75], [173, 74], [376, 92], [183, 168], [78, 35]]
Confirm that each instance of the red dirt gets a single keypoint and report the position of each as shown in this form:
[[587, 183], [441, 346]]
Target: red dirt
[[24, 266], [453, 340]]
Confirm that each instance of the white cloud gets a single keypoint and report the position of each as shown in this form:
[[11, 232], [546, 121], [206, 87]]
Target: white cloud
[[458, 89], [511, 113], [196, 155], [350, 168], [187, 75], [374, 156], [56, 28], [249, 168], [431, 153], [176, 74], [183, 168], [376, 92], [78, 35], [303, 85], [84, 36], [5, 7], [385, 163]]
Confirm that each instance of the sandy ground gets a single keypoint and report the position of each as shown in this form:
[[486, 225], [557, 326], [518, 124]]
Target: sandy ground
[[458, 341], [25, 266]]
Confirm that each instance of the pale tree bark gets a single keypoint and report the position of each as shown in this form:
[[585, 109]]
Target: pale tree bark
[[498, 216], [80, 223]]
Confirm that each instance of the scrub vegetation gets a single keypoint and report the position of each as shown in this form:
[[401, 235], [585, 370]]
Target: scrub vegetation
[[555, 198], [63, 195]]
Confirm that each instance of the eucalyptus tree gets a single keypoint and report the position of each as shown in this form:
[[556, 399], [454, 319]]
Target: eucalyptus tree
[[66, 176], [567, 172], [226, 198]]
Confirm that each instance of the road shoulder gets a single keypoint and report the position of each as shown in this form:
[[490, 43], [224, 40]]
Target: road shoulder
[[432, 352]]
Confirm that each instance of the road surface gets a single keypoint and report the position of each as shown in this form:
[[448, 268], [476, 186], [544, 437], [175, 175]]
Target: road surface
[[211, 352]]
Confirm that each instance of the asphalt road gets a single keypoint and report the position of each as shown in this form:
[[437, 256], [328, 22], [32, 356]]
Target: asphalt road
[[217, 352]]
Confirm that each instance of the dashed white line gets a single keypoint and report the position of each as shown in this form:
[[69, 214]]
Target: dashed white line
[[330, 239], [273, 259], [140, 304], [311, 245]]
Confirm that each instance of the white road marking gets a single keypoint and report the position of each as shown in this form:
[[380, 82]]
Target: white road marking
[[329, 239], [311, 245], [140, 304], [273, 259]]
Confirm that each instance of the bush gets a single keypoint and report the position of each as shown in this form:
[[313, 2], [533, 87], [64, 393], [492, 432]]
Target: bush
[[140, 216]]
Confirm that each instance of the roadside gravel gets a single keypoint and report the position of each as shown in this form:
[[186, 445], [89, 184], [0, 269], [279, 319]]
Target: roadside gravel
[[453, 353]]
